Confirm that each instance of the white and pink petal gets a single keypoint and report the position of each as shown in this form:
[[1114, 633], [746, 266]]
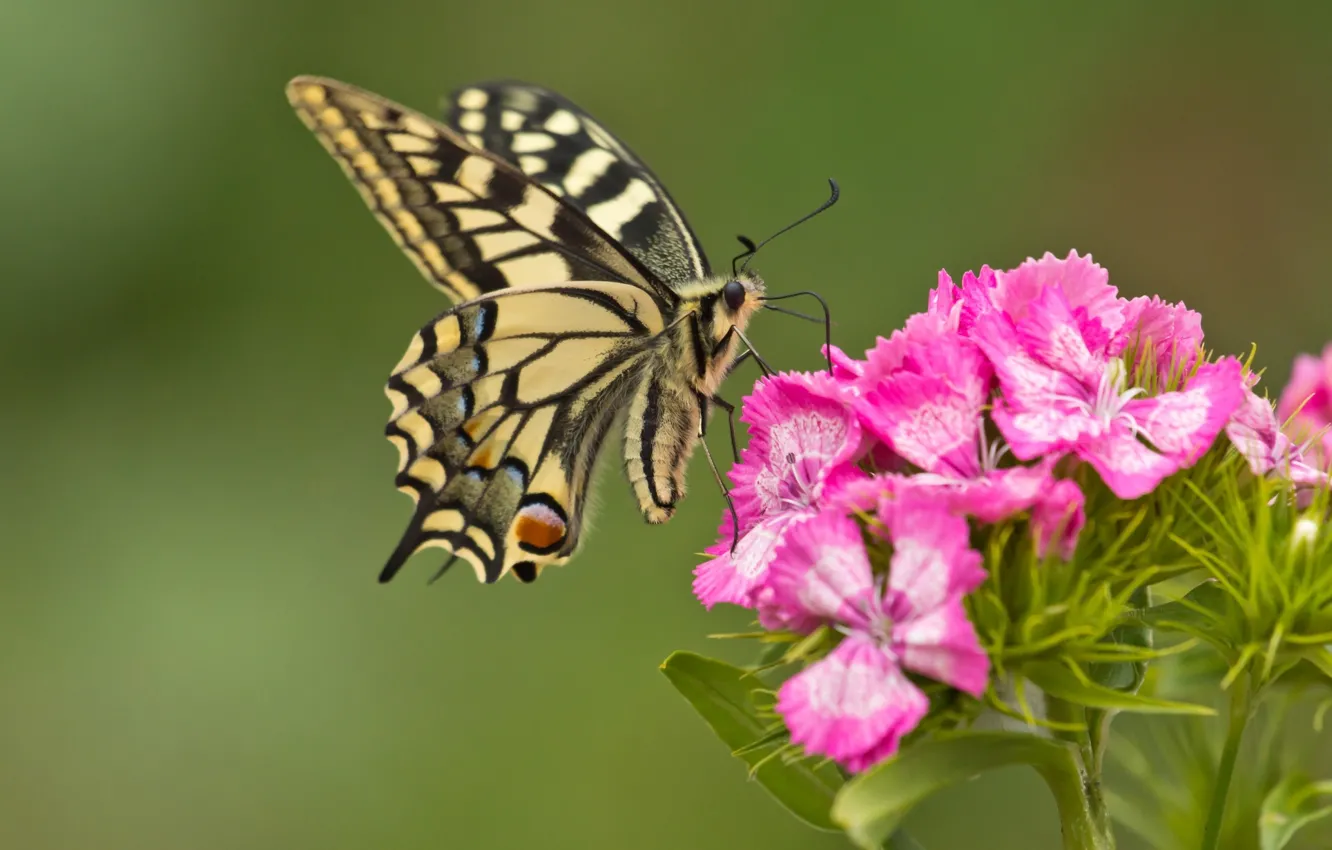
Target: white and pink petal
[[942, 644], [932, 558], [819, 574], [733, 577], [1184, 424], [851, 704], [1129, 467]]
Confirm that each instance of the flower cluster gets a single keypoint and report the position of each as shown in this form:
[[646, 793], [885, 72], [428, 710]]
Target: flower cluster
[[980, 410]]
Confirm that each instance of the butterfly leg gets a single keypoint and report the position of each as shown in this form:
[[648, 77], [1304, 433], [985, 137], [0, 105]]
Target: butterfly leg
[[712, 464], [758, 358], [730, 422], [735, 364]]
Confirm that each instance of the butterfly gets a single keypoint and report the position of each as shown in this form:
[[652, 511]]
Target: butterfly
[[581, 295]]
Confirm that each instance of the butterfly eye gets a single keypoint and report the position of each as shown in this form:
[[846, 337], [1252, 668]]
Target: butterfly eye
[[734, 293]]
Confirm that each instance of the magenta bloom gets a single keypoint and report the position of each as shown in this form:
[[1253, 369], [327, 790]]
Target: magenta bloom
[[802, 437], [855, 705], [1306, 405], [1064, 390], [1172, 332], [1257, 436], [930, 411], [1084, 284]]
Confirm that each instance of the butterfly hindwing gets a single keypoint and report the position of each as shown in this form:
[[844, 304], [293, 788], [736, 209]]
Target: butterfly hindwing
[[469, 220], [499, 409], [574, 156]]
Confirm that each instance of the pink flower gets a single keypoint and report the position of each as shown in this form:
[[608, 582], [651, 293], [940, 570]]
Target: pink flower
[[1306, 405], [1084, 284], [857, 703], [1064, 391], [1171, 332], [1256, 434], [889, 355], [802, 437], [931, 412]]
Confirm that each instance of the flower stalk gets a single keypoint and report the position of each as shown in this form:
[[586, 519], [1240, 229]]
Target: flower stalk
[[1086, 825], [1241, 709]]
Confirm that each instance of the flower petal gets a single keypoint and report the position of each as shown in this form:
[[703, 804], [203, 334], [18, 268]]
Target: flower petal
[[845, 369], [1053, 427], [1083, 282], [820, 573], [734, 576], [1058, 517], [1053, 335], [932, 559], [1129, 468], [925, 421], [1027, 383], [1306, 406], [942, 644], [1172, 332], [1254, 431], [1182, 425], [801, 428], [1001, 493], [851, 705]]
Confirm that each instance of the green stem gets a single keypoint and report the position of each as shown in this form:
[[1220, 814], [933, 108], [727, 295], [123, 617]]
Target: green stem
[[1241, 703], [1083, 815], [1078, 822]]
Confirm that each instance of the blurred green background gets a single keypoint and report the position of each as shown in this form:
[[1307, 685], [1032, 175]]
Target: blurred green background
[[197, 316]]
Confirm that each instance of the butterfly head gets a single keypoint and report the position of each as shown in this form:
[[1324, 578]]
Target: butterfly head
[[723, 303], [740, 297]]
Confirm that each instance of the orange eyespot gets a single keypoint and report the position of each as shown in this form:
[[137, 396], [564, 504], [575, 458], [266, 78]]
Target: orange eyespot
[[539, 527]]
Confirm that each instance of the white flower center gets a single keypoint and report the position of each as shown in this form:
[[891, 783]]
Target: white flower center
[[1106, 405]]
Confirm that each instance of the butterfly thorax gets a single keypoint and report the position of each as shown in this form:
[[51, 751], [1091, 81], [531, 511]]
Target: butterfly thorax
[[706, 337]]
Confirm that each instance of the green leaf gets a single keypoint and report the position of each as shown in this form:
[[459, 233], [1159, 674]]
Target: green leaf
[[900, 840], [1126, 675], [1059, 681], [1199, 610], [724, 696], [1321, 658], [1289, 807], [871, 806]]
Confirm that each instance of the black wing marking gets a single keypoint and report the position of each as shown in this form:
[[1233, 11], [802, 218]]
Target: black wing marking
[[574, 156], [470, 221]]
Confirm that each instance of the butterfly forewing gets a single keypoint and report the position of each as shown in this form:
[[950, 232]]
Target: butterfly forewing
[[582, 297], [499, 409], [470, 221], [570, 153]]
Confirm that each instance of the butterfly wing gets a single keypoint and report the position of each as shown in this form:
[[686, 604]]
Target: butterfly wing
[[499, 409], [469, 220], [571, 154]]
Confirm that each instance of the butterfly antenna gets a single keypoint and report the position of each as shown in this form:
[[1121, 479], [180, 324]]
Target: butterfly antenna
[[827, 317], [750, 248], [832, 199], [808, 318]]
